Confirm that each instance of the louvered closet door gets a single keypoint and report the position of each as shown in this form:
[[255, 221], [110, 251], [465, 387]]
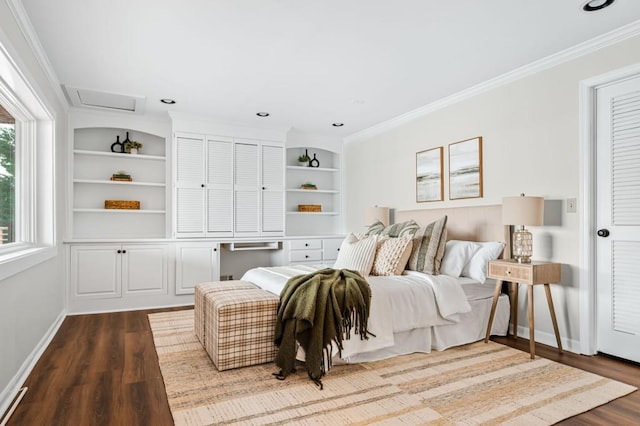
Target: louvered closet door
[[272, 190], [246, 190], [219, 188], [189, 189], [618, 212]]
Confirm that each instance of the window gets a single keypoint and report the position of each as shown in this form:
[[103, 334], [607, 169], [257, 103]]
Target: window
[[7, 177], [27, 170]]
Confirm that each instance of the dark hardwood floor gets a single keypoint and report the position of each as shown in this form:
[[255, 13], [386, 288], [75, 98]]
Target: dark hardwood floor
[[102, 370]]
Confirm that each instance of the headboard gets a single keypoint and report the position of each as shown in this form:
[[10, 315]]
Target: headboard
[[475, 223]]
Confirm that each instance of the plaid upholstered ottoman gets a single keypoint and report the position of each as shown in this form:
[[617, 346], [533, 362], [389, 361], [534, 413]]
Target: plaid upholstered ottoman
[[240, 327], [202, 290]]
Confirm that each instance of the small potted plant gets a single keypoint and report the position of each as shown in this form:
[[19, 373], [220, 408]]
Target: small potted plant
[[303, 160], [132, 147]]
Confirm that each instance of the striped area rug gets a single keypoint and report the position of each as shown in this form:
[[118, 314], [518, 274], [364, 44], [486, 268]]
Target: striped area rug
[[473, 384]]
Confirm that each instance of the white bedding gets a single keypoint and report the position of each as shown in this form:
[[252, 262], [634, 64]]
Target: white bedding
[[398, 303]]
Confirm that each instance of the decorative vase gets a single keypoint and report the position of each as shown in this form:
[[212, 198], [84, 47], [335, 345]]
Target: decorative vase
[[133, 151], [302, 163]]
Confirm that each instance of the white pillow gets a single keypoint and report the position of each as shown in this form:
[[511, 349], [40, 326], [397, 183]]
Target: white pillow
[[477, 266], [357, 254], [456, 255]]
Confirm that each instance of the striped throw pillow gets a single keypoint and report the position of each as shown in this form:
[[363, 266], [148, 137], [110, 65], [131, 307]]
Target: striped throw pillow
[[356, 254], [394, 231], [428, 247], [392, 255]]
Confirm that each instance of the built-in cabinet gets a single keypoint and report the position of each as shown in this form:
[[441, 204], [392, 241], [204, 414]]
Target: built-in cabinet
[[196, 263], [227, 187], [117, 270], [314, 250]]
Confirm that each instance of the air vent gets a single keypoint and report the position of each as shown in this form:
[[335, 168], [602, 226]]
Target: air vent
[[85, 98]]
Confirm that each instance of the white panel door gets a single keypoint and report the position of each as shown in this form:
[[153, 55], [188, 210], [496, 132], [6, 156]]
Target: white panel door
[[246, 190], [618, 219], [219, 188], [145, 268], [96, 271], [189, 164], [272, 190], [196, 263]]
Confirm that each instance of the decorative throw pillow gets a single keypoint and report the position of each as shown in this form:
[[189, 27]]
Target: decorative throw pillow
[[356, 254], [392, 255], [456, 255], [428, 247], [394, 231], [476, 268]]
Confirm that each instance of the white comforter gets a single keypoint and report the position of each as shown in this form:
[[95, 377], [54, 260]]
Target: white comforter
[[398, 303]]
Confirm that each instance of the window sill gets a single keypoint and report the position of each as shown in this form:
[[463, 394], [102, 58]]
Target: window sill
[[24, 258]]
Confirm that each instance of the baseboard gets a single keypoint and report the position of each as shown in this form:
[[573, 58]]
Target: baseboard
[[11, 390], [549, 339], [127, 309]]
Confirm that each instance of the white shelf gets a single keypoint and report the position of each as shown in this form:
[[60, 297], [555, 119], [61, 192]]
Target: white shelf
[[113, 182], [315, 191], [134, 211], [313, 213], [314, 169], [118, 155]]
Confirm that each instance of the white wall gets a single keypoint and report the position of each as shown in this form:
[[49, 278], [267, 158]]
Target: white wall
[[530, 145], [32, 301]]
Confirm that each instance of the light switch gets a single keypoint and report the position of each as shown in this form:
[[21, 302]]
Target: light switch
[[572, 205]]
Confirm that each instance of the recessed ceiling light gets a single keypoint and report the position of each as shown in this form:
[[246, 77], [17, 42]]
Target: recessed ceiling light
[[593, 5], [167, 101], [338, 124], [263, 114]]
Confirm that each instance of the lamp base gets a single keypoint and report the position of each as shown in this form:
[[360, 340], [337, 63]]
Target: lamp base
[[522, 245]]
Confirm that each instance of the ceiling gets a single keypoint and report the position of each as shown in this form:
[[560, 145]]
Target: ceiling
[[308, 63]]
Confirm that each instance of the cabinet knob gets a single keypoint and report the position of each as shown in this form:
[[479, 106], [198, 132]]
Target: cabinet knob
[[306, 256], [124, 251], [215, 249], [202, 185], [264, 188], [604, 233], [306, 244], [119, 251]]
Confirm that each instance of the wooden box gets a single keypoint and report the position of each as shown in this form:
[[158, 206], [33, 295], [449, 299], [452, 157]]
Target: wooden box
[[122, 204], [309, 208]]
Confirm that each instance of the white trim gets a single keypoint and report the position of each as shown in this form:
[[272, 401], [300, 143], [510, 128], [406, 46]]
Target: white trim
[[589, 46], [24, 23], [13, 387], [587, 203]]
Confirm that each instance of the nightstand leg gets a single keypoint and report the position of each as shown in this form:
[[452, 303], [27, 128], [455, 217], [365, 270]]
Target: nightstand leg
[[496, 295], [514, 307], [532, 338], [547, 290]]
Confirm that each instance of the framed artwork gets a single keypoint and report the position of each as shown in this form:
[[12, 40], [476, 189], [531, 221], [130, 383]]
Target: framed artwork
[[429, 175], [465, 169]]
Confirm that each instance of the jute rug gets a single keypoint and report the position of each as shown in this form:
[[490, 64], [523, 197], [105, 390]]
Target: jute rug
[[474, 384]]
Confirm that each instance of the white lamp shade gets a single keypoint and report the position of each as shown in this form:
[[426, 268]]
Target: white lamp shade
[[523, 210], [374, 214]]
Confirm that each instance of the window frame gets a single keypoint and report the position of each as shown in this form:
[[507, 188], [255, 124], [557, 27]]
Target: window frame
[[35, 171]]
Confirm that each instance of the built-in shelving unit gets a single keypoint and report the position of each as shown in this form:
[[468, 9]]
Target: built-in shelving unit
[[327, 180], [93, 165]]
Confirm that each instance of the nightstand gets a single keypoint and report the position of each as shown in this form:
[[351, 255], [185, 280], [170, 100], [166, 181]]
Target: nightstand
[[531, 274]]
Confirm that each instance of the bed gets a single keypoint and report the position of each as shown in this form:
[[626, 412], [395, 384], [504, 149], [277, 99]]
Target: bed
[[417, 312]]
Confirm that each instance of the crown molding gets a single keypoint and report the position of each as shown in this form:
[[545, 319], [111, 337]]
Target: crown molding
[[585, 48], [24, 23]]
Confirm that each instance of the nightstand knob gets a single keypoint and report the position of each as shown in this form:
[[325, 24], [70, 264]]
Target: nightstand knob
[[508, 271]]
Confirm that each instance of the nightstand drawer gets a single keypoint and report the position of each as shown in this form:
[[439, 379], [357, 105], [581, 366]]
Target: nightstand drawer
[[518, 273]]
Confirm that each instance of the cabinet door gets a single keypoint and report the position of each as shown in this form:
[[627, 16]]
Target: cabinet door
[[219, 188], [189, 187], [272, 190], [330, 248], [246, 190], [145, 268], [96, 271], [196, 263]]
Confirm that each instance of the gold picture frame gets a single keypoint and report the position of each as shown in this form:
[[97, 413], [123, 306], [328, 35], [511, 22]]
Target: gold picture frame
[[429, 175], [465, 169]]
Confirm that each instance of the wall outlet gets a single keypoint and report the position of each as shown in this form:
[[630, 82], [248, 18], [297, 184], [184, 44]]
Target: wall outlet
[[572, 205]]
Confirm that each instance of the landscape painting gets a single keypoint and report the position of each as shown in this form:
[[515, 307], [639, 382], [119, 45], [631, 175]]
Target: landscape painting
[[465, 169], [429, 180]]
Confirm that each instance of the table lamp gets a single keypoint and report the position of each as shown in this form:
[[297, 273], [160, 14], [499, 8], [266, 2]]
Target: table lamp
[[374, 214], [521, 211]]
